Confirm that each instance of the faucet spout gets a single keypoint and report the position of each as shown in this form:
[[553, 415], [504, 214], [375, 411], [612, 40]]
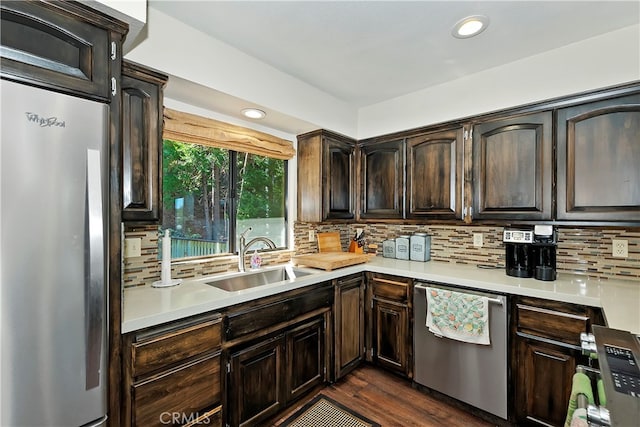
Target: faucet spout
[[245, 246]]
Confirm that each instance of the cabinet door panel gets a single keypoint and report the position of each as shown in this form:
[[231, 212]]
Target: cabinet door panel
[[544, 382], [310, 180], [434, 174], [141, 150], [390, 334], [326, 176], [351, 346], [512, 168], [349, 325], [48, 45], [598, 158], [305, 356], [338, 189], [382, 168], [256, 375]]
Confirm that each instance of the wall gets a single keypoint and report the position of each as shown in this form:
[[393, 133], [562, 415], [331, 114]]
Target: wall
[[133, 12], [192, 55]]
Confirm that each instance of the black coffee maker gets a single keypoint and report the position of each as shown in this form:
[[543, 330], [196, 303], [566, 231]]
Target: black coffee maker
[[545, 242], [519, 260]]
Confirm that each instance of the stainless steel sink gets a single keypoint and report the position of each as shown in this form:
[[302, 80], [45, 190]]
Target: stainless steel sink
[[258, 278]]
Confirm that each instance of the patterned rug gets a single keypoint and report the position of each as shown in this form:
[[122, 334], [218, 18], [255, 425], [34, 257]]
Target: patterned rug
[[322, 411]]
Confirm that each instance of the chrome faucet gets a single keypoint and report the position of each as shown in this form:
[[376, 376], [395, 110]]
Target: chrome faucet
[[244, 246]]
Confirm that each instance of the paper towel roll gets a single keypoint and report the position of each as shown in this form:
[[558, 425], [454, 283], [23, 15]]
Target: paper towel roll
[[165, 273]]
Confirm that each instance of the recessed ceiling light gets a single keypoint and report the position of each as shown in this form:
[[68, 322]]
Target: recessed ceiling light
[[254, 113], [470, 26]]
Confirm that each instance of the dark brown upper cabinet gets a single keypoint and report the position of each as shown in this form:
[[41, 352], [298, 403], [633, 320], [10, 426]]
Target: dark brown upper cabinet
[[598, 151], [62, 46], [512, 168], [434, 174], [142, 90], [382, 166], [326, 177]]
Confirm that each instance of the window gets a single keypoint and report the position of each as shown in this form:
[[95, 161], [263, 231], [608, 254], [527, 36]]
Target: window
[[210, 194]]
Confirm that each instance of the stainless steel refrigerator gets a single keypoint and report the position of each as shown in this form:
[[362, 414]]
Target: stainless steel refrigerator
[[53, 252]]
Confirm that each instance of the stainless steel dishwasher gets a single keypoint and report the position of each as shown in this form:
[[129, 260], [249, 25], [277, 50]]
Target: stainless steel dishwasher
[[472, 373]]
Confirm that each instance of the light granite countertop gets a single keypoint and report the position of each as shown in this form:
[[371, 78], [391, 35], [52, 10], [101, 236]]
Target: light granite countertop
[[145, 306]]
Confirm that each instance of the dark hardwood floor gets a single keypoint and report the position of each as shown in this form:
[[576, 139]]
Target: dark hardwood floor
[[390, 401]]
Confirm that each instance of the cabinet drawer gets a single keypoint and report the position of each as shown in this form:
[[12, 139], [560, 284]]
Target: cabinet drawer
[[161, 350], [212, 418], [553, 324], [263, 316], [390, 287], [354, 279], [181, 392]]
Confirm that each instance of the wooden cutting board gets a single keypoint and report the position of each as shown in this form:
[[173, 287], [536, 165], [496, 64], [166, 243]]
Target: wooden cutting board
[[331, 260], [329, 242]]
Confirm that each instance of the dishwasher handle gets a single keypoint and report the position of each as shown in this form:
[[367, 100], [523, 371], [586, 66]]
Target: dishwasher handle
[[492, 298]]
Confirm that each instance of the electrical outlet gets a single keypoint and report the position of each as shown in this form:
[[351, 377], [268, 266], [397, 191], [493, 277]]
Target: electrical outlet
[[132, 247], [478, 240], [620, 248], [312, 235]]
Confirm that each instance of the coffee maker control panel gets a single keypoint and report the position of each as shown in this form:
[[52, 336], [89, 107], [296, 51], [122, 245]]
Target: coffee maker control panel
[[518, 236]]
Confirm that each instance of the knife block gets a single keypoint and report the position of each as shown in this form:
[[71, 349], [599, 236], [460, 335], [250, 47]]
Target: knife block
[[353, 247]]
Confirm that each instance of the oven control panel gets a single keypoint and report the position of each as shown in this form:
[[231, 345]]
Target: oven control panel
[[624, 370]]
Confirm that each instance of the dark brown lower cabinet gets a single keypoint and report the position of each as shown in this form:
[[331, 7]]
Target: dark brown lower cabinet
[[349, 324], [391, 339], [305, 358], [177, 397], [172, 374], [545, 350], [390, 332], [543, 384], [254, 389], [266, 376]]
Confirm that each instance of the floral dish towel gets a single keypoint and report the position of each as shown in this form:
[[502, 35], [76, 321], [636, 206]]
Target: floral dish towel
[[459, 316]]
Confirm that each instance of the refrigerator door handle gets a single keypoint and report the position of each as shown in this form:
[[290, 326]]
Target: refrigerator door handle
[[102, 422], [94, 276]]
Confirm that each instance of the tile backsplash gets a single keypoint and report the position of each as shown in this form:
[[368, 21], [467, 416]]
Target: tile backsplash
[[585, 250], [146, 268], [582, 250]]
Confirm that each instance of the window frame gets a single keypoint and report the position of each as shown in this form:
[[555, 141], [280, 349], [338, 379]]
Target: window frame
[[232, 203]]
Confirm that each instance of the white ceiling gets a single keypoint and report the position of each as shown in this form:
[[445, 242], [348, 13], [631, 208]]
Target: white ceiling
[[365, 52]]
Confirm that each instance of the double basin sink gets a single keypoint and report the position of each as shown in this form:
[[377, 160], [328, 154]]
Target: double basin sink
[[252, 279]]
